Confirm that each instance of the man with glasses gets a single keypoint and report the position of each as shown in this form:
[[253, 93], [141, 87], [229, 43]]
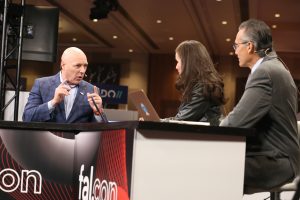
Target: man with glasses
[[269, 104]]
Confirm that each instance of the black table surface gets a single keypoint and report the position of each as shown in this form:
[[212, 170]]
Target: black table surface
[[143, 125]]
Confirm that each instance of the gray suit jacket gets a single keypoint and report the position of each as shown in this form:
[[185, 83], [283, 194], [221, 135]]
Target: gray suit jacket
[[43, 91], [269, 104]]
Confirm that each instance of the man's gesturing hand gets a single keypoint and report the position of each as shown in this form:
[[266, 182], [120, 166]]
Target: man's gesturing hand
[[60, 92]]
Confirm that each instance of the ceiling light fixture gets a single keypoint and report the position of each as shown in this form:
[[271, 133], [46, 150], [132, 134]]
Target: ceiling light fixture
[[102, 8], [277, 15], [231, 53], [74, 39], [274, 26], [130, 50], [224, 22], [171, 38], [228, 39], [115, 37], [158, 21]]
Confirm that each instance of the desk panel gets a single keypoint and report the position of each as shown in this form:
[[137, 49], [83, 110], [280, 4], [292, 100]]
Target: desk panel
[[173, 165], [63, 166]]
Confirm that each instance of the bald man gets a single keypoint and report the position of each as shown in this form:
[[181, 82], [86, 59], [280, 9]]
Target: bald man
[[65, 97]]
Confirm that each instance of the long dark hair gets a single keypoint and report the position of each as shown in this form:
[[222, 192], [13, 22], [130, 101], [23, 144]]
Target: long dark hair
[[197, 68]]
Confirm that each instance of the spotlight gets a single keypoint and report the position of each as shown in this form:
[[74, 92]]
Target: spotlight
[[102, 8]]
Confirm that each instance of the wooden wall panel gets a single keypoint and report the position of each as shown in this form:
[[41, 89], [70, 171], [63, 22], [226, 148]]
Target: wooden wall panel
[[161, 84]]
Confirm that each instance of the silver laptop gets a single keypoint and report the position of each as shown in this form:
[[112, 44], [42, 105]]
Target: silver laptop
[[143, 105], [148, 112]]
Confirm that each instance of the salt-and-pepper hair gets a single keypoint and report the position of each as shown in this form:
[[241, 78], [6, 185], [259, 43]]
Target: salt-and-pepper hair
[[259, 33]]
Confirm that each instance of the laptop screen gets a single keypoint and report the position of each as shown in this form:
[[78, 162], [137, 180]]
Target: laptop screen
[[143, 105]]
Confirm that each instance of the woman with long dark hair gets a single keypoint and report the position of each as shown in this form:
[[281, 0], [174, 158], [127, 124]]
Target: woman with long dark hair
[[200, 84]]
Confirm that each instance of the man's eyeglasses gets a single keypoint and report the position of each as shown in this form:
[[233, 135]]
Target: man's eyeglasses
[[236, 45]]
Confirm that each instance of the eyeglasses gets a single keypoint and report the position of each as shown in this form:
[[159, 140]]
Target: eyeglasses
[[236, 45]]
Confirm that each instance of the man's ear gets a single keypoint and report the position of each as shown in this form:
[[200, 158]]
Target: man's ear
[[250, 48]]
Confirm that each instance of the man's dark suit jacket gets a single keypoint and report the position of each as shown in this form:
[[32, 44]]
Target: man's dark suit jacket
[[269, 104], [43, 91]]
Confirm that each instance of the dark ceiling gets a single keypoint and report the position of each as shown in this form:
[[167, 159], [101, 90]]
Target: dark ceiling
[[135, 24]]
